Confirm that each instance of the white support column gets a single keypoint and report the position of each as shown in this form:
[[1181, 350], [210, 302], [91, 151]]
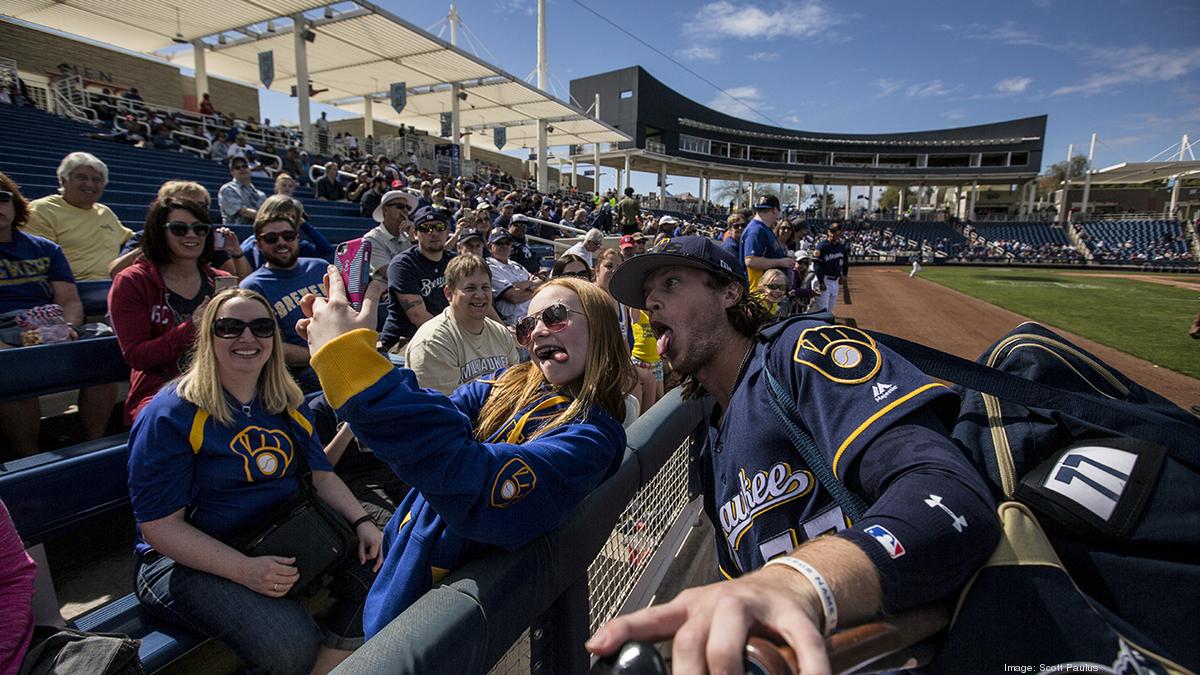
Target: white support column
[[824, 201], [628, 171], [543, 165], [781, 191], [1087, 178], [703, 193], [662, 186], [900, 205], [870, 198], [301, 58], [799, 194], [1172, 212], [620, 177], [1063, 208], [974, 195], [595, 146], [574, 173], [849, 201], [455, 125], [753, 200], [741, 189], [201, 66], [1032, 197], [368, 117]]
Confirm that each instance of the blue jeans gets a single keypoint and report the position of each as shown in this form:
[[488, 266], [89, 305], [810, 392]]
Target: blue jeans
[[269, 635]]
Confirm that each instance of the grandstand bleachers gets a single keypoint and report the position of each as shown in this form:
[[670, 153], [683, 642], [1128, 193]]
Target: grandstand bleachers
[[1125, 241], [136, 173]]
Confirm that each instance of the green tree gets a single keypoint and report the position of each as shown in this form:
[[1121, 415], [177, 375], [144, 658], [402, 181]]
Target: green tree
[[890, 198], [1052, 179]]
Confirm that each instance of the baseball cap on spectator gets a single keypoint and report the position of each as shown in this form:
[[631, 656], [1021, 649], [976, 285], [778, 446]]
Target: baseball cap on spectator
[[767, 202], [499, 234], [628, 241], [667, 219], [484, 206], [506, 204], [389, 197], [594, 236], [469, 233], [696, 252], [425, 183], [428, 213]]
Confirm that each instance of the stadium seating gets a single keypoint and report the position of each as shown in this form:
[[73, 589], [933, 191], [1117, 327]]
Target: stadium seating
[[32, 143], [1120, 241]]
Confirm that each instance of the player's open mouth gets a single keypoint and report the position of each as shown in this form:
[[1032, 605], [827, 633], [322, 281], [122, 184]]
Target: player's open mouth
[[664, 334], [551, 353]]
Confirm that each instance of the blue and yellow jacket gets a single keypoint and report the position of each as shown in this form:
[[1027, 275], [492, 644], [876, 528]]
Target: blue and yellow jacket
[[467, 495]]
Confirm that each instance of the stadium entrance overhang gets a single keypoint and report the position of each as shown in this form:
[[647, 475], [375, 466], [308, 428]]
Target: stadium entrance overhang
[[653, 162], [351, 51], [1136, 173]]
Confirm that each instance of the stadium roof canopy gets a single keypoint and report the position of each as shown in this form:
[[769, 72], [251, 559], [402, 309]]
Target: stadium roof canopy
[[357, 50], [1127, 173]]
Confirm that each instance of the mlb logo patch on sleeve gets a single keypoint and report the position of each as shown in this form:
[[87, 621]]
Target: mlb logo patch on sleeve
[[887, 540]]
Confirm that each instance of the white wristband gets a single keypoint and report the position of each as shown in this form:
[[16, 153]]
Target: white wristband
[[824, 592]]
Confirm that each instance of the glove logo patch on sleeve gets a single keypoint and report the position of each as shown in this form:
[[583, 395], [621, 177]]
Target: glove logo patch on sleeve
[[514, 482], [840, 353]]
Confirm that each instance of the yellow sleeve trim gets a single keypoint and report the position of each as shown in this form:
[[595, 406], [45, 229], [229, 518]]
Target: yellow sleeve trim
[[301, 420], [196, 435], [872, 419], [349, 364]]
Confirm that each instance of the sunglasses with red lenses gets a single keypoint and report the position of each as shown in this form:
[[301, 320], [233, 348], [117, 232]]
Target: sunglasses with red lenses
[[272, 238], [230, 328], [554, 318]]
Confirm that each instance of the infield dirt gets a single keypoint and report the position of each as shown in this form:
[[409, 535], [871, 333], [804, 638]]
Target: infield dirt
[[887, 300]]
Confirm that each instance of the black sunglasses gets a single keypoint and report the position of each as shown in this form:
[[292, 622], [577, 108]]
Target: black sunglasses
[[435, 226], [239, 167], [5, 196], [554, 318], [230, 328], [272, 238], [180, 228], [775, 287]]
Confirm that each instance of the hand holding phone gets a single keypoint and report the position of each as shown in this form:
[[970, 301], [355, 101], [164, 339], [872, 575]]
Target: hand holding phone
[[353, 261], [224, 283]]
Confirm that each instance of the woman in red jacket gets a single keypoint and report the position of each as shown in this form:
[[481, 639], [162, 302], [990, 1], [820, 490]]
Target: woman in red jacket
[[152, 301]]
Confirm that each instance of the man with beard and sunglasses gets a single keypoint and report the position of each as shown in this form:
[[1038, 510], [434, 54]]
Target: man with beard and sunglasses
[[798, 567], [417, 277], [283, 280]]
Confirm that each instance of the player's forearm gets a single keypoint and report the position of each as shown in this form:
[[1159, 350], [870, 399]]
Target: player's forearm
[[850, 574]]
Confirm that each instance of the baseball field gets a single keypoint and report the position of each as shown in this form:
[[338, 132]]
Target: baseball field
[[1138, 323]]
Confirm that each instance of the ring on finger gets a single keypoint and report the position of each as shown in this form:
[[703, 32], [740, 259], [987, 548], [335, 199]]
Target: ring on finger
[[275, 587]]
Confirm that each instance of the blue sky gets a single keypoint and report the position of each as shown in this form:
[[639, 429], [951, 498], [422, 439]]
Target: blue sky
[[1129, 71]]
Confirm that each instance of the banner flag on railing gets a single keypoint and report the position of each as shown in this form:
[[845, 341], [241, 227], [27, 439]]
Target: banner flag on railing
[[399, 95], [500, 137], [266, 67]]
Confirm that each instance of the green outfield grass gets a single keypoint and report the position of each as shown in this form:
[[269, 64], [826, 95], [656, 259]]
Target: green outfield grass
[[1147, 320]]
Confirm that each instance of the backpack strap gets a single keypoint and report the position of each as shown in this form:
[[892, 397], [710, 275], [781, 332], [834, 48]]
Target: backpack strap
[[1181, 440]]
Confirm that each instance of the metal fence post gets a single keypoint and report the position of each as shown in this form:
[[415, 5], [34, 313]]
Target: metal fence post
[[556, 638]]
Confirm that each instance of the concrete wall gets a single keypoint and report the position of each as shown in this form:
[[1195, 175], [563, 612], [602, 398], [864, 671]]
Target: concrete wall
[[38, 53]]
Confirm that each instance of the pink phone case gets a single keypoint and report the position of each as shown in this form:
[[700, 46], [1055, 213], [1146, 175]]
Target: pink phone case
[[353, 260]]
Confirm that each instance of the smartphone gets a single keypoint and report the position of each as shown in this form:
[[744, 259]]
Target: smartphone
[[218, 240], [224, 283], [353, 260]]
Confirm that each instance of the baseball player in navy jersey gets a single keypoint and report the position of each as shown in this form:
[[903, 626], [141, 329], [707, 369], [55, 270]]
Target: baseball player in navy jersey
[[832, 262], [795, 565]]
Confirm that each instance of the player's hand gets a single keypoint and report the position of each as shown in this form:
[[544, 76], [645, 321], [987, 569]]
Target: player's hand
[[328, 317], [710, 624]]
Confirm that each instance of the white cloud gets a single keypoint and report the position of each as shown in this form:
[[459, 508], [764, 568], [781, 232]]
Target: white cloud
[[886, 86], [700, 53], [793, 19], [926, 89], [744, 101], [1013, 85], [793, 119], [1142, 64], [526, 7], [955, 114], [764, 56]]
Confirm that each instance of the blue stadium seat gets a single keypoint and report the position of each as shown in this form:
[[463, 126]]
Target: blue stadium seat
[[62, 366]]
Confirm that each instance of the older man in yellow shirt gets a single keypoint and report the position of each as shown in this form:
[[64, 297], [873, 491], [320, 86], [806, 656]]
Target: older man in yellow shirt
[[88, 232]]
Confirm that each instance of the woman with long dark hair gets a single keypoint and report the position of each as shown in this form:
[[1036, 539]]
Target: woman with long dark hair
[[152, 301], [502, 460]]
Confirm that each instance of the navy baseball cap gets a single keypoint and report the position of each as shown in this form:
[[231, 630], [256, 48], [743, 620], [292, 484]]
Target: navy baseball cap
[[428, 213], [468, 234], [698, 252], [767, 202], [499, 234]]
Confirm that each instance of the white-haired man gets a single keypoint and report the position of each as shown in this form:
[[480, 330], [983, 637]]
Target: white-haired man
[[592, 241], [89, 232]]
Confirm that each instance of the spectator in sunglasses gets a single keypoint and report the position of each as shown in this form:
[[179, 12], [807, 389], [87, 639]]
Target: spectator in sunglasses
[[393, 235], [232, 425], [35, 272], [503, 460], [284, 278], [417, 277], [772, 289], [571, 266], [152, 301], [313, 244], [239, 199]]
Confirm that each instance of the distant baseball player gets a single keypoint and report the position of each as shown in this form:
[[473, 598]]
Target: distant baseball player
[[831, 262], [916, 269]]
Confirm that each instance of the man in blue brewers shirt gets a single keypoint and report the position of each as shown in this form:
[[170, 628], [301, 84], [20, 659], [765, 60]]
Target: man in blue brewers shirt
[[761, 249], [283, 279], [877, 421]]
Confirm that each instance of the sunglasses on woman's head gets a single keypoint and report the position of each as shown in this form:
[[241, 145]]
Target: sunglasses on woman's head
[[5, 196], [554, 318], [230, 328], [272, 238], [180, 228]]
